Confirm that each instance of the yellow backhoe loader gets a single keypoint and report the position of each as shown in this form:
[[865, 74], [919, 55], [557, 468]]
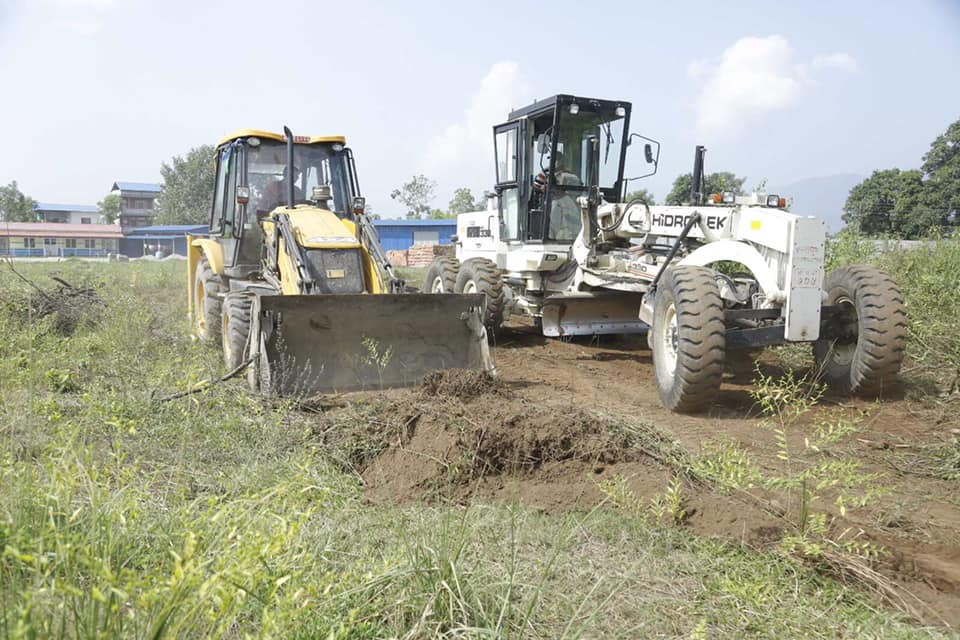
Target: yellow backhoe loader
[[293, 282]]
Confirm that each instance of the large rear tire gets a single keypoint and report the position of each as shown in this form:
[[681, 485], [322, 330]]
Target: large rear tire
[[441, 275], [688, 337], [479, 275], [235, 328], [864, 355], [207, 305]]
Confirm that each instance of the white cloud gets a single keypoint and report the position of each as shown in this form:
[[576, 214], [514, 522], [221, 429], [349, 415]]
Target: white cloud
[[501, 89], [754, 76], [836, 62]]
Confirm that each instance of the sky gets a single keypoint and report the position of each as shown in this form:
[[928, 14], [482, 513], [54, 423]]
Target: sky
[[103, 90]]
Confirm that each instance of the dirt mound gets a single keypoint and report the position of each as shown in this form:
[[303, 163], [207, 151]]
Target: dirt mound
[[460, 383]]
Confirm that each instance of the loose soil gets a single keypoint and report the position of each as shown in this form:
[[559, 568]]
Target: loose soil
[[562, 417]]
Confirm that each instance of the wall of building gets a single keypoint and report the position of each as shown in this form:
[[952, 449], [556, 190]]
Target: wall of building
[[402, 237], [71, 217], [61, 246]]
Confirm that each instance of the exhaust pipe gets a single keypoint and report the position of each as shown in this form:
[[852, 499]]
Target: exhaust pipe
[[291, 194], [696, 185]]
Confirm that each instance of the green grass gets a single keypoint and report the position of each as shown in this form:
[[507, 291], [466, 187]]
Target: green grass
[[222, 515]]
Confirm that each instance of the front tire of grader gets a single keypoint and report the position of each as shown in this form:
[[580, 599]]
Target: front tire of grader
[[207, 305], [865, 357], [235, 328], [688, 336], [441, 275], [479, 275]]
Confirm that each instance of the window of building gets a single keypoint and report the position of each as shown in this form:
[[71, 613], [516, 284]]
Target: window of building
[[84, 220], [71, 243], [426, 237], [30, 243], [49, 242], [89, 243]]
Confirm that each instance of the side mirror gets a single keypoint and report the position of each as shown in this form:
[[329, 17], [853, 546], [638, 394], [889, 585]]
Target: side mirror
[[543, 143], [648, 153], [359, 205]]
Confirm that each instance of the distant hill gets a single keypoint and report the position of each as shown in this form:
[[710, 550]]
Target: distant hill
[[822, 197]]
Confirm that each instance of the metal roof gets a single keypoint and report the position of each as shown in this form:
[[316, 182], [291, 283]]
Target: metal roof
[[151, 187], [297, 139], [172, 229], [58, 230], [562, 98], [79, 208], [431, 222]]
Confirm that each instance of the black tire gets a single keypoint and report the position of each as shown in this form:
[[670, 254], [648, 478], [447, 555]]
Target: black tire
[[479, 275], [207, 287], [864, 355], [689, 342], [235, 328], [441, 275]]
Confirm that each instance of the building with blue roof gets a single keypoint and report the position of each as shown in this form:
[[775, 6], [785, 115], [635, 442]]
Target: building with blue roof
[[137, 203], [68, 213], [400, 235], [165, 238]]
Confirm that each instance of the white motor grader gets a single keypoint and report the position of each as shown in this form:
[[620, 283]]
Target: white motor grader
[[725, 272]]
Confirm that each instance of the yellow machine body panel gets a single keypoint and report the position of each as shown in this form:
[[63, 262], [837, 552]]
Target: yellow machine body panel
[[317, 228]]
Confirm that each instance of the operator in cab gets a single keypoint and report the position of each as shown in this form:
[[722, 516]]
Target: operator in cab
[[275, 192]]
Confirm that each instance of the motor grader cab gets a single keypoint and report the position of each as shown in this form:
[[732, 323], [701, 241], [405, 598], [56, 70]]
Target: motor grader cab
[[558, 243], [293, 282]]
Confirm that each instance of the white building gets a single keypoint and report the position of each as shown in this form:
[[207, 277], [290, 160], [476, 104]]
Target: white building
[[68, 213]]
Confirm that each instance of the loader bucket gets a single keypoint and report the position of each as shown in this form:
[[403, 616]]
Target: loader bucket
[[305, 344], [585, 314]]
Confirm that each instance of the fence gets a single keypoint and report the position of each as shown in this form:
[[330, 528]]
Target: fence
[[55, 252]]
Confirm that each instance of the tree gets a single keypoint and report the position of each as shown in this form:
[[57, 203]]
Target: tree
[[941, 170], [186, 195], [416, 196], [440, 214], [463, 201], [15, 206], [891, 202], [640, 194], [715, 183], [110, 208]]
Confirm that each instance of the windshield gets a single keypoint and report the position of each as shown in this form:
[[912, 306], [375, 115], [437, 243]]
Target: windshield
[[315, 164], [573, 145]]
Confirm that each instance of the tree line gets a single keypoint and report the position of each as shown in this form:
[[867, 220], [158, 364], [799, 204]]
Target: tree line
[[899, 203]]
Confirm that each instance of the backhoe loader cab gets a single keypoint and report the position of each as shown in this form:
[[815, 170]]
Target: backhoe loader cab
[[543, 164], [251, 183], [294, 284]]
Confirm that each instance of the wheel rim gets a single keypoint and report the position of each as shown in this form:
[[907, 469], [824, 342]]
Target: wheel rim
[[669, 341], [844, 349], [437, 285], [201, 316], [470, 287]]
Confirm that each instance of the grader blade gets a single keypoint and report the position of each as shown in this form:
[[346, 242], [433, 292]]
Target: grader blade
[[586, 314], [305, 344]]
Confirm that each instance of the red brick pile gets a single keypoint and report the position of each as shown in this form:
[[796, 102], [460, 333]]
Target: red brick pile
[[419, 255], [397, 258]]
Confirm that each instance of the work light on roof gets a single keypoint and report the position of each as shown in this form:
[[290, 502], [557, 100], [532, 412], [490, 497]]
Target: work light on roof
[[574, 109], [773, 201], [620, 111]]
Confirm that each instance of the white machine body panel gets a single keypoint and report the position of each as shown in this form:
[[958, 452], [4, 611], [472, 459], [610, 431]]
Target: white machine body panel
[[805, 279]]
